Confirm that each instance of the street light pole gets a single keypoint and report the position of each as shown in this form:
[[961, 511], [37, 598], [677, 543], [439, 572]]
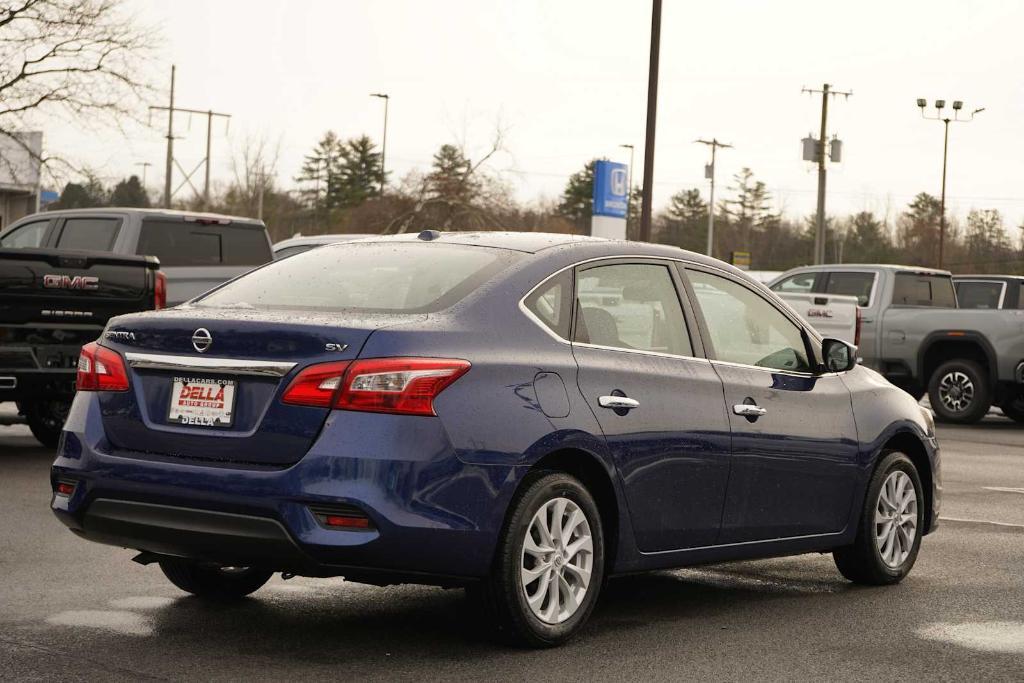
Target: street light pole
[[946, 120], [714, 144], [629, 182], [384, 140]]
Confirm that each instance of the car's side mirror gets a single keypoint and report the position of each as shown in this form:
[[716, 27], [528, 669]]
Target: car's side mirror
[[839, 356]]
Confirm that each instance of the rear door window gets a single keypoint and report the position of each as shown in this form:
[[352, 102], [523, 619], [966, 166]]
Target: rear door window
[[631, 306], [923, 289], [986, 294], [97, 234], [860, 285], [180, 243], [26, 236]]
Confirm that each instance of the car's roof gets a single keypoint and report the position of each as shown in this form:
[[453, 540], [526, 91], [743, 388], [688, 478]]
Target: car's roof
[[147, 212], [895, 267], [320, 239]]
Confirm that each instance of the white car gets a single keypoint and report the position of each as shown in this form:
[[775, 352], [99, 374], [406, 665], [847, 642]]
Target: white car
[[297, 245]]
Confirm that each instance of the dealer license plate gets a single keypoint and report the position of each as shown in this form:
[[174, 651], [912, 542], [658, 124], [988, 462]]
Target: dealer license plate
[[202, 402]]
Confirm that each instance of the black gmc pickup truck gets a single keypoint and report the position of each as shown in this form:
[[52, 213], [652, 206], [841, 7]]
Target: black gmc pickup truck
[[52, 301]]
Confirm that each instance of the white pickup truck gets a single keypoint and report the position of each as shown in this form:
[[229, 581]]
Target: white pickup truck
[[832, 315]]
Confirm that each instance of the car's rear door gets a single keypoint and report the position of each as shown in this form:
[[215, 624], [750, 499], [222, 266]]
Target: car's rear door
[[657, 399], [794, 441]]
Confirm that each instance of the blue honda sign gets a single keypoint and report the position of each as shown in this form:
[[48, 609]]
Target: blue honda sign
[[611, 187]]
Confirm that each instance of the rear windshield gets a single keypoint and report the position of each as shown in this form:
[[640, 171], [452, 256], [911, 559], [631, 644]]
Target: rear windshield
[[409, 278], [922, 289], [179, 243], [979, 293]]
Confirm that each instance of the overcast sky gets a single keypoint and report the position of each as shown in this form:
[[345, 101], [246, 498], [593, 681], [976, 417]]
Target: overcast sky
[[569, 80]]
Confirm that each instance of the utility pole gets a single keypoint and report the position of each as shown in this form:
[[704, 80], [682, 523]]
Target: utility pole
[[170, 145], [259, 194], [384, 140], [709, 172], [819, 233], [946, 120], [209, 114], [629, 182], [652, 113]]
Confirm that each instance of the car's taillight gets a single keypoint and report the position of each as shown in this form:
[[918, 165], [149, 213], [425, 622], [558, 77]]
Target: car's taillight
[[316, 385], [100, 369], [160, 291], [406, 386], [856, 331]]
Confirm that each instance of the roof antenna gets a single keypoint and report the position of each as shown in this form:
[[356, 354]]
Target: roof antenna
[[429, 235]]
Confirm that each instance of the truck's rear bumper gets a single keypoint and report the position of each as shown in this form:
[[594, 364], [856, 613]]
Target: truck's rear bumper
[[26, 385]]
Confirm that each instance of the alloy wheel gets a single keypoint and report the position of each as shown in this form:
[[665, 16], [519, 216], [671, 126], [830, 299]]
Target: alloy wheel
[[896, 518], [956, 391], [557, 560]]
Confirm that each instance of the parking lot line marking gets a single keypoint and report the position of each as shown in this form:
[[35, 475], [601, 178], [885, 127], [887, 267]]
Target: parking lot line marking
[[1003, 489], [981, 521]]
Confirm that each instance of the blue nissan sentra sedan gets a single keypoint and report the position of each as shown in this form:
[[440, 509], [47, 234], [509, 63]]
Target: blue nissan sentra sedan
[[523, 415]]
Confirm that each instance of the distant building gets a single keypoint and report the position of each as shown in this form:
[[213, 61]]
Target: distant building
[[20, 156]]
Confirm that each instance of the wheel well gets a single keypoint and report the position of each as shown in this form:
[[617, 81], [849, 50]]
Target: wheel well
[[594, 476], [942, 351], [912, 447]]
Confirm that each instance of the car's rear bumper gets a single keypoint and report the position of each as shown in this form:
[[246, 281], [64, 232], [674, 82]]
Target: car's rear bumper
[[433, 518]]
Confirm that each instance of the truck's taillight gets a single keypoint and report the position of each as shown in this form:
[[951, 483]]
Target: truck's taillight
[[856, 329], [160, 291], [406, 386], [100, 369]]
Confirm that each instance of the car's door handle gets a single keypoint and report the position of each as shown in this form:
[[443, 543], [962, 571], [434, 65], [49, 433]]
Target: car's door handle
[[748, 410], [618, 402]]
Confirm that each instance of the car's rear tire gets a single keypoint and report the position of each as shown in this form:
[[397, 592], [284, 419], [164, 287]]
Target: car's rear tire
[[46, 420], [890, 525], [211, 582], [960, 392], [549, 566]]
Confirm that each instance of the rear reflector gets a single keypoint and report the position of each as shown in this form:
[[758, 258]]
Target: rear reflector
[[341, 517], [64, 488], [404, 386], [100, 369]]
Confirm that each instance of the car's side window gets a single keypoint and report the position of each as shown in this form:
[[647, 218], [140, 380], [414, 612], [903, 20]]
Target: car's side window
[[26, 236], [631, 306], [89, 233], [745, 328], [551, 303], [801, 283]]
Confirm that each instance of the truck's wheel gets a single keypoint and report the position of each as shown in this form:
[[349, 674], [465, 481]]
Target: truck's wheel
[[46, 420], [960, 392]]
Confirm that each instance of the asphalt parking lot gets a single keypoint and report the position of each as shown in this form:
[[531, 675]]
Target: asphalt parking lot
[[72, 610]]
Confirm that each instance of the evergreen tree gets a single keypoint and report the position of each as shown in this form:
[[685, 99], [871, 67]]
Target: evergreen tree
[[919, 230], [867, 240], [85, 195], [748, 210], [359, 173], [577, 202], [130, 192], [685, 221], [320, 170], [450, 178]]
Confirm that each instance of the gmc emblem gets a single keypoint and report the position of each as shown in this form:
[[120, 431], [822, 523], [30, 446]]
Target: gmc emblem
[[68, 282]]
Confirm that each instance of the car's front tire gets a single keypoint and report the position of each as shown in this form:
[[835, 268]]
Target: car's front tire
[[960, 392], [549, 566], [890, 525], [211, 582]]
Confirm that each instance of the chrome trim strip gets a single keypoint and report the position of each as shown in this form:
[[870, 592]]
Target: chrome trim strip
[[228, 366], [642, 352]]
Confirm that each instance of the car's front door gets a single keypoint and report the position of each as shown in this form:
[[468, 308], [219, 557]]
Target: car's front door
[[657, 399], [794, 441]]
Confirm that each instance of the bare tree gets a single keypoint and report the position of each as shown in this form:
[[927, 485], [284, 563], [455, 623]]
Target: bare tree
[[77, 59]]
